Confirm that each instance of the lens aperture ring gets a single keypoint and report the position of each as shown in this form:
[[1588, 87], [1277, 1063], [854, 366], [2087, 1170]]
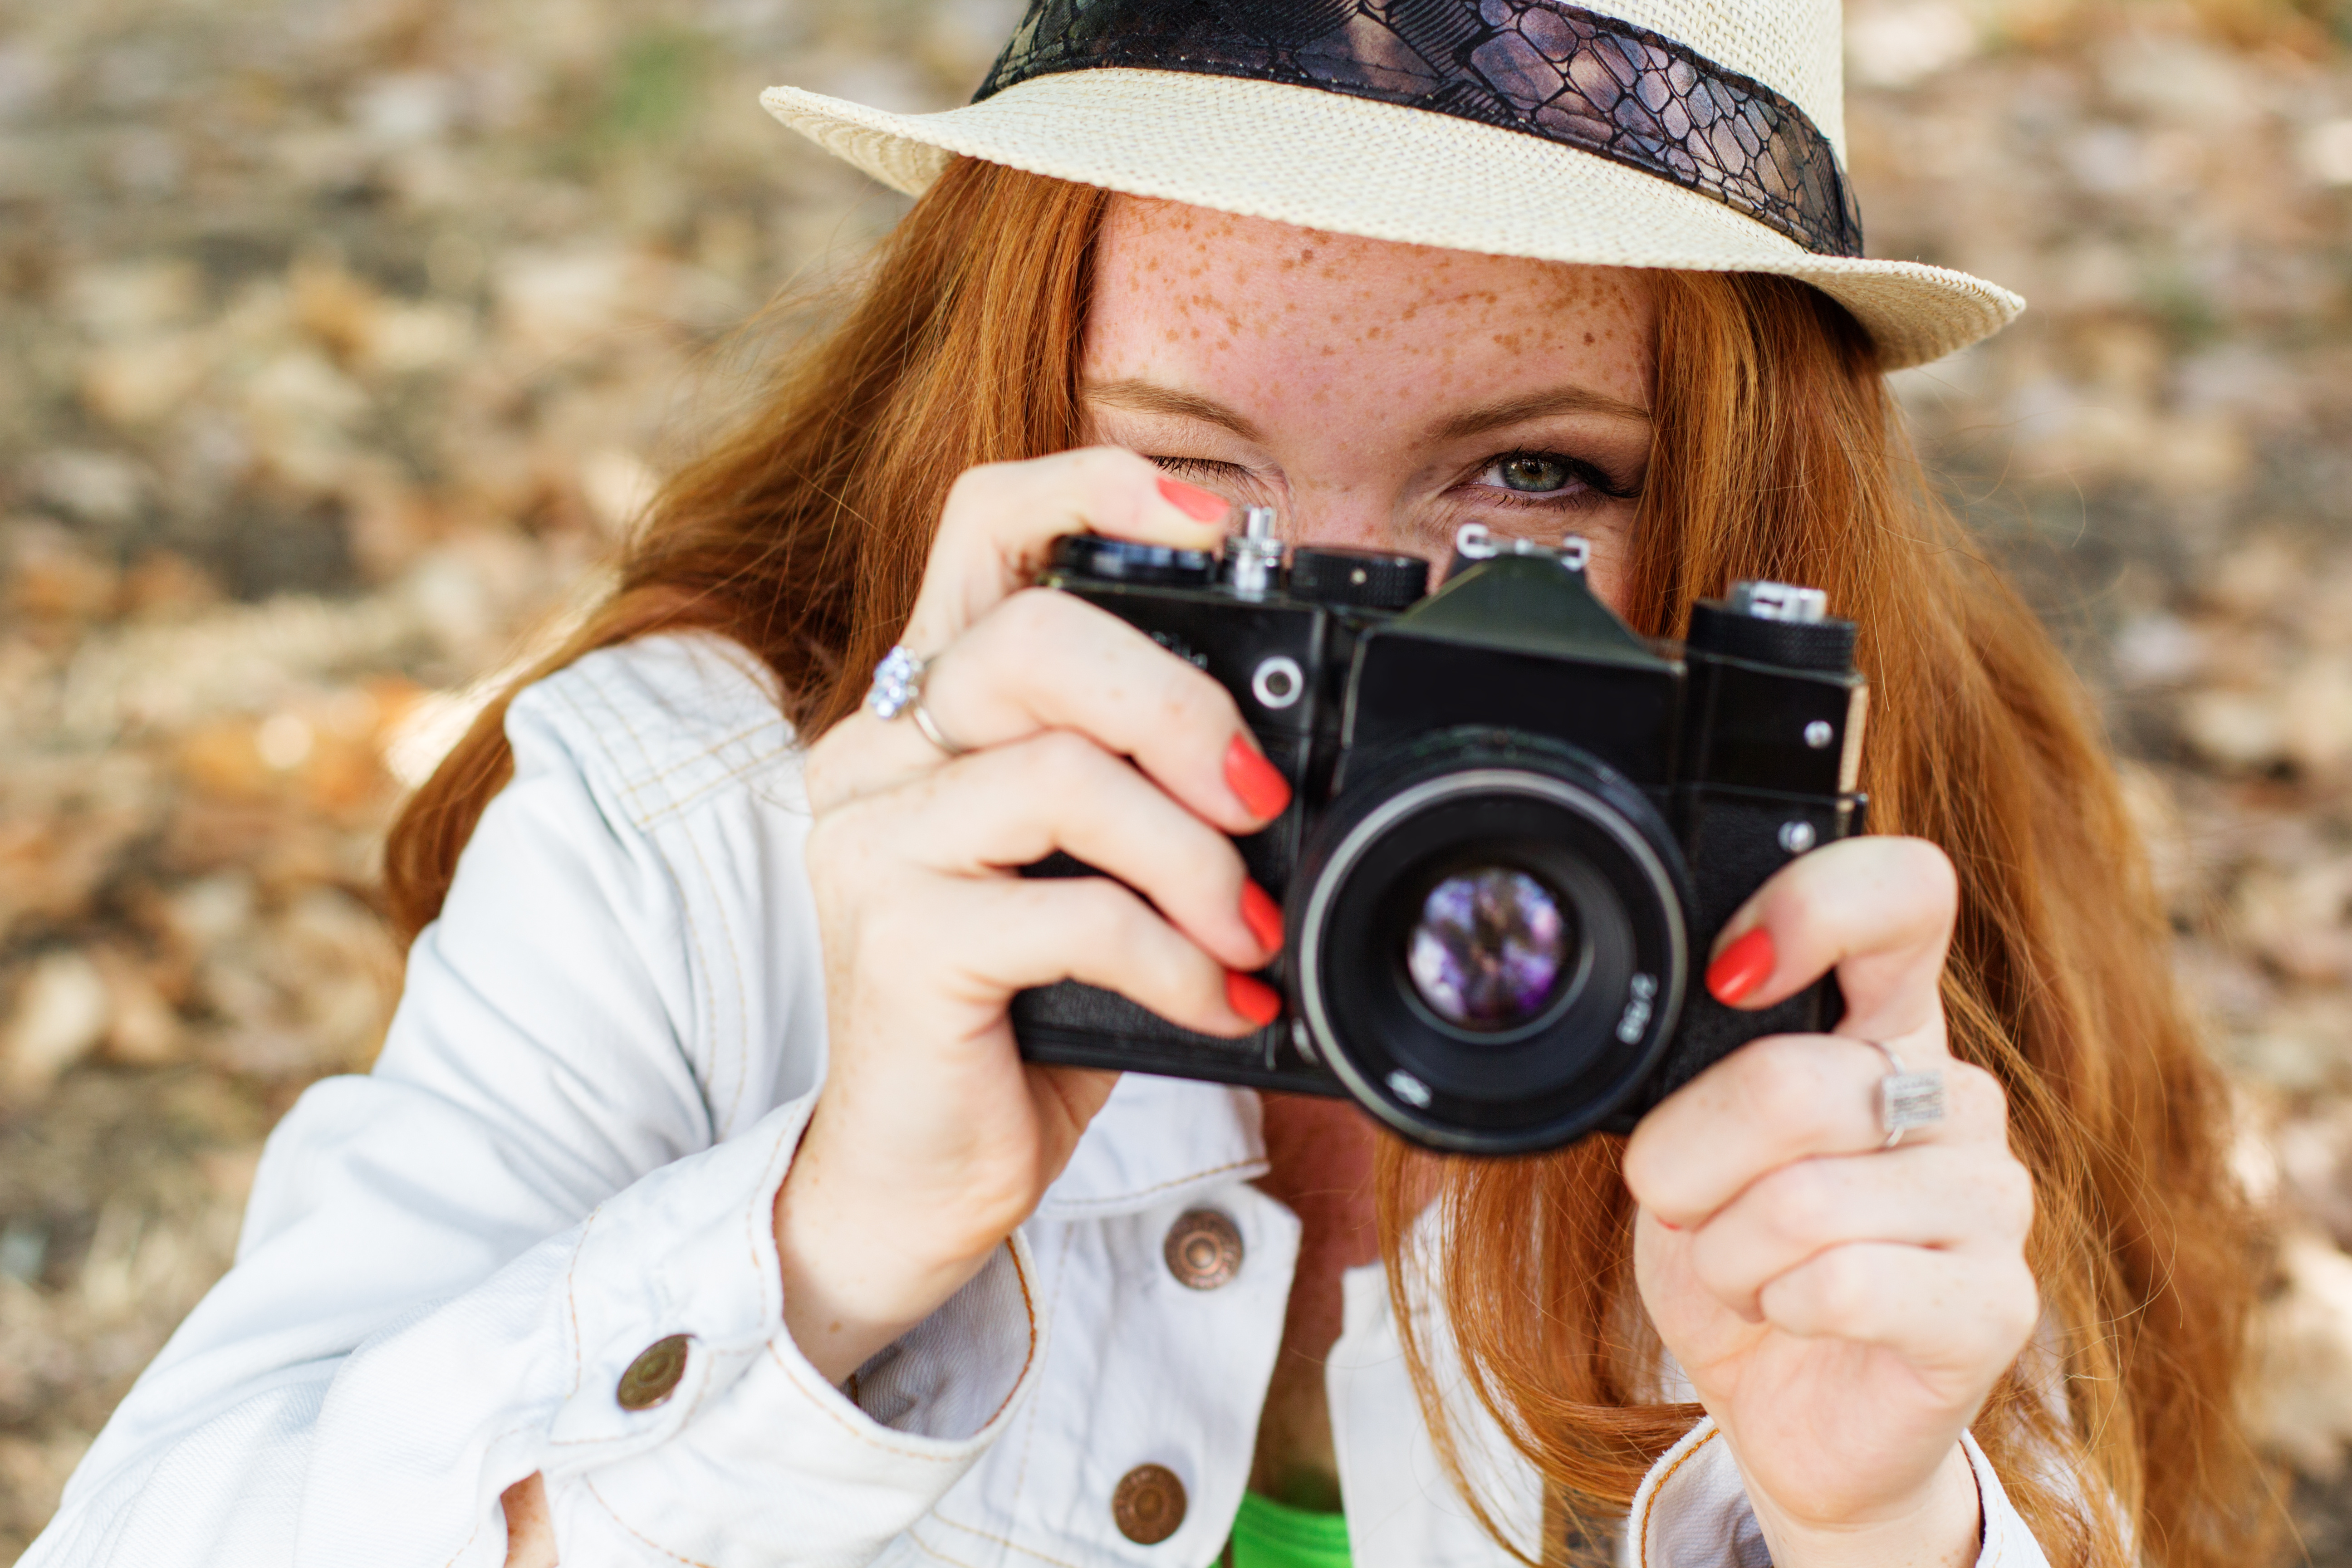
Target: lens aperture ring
[[1540, 1064]]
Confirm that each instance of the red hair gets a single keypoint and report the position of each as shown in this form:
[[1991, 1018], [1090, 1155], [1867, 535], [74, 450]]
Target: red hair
[[1777, 454]]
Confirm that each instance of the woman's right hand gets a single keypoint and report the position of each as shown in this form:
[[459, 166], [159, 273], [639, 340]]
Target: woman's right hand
[[931, 1140]]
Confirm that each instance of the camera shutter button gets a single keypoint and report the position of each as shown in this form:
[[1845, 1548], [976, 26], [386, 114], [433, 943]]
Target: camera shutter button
[[1203, 1250]]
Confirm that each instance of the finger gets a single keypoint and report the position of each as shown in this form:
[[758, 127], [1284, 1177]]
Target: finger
[[1009, 933], [1070, 1097], [1045, 660], [1877, 911], [1941, 1196], [1001, 518], [1014, 804], [1966, 1311], [1778, 1100]]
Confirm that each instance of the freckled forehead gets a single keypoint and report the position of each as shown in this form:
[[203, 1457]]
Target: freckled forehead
[[1189, 281]]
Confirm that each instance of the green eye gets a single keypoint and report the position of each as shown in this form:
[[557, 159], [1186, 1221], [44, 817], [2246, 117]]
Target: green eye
[[1534, 474]]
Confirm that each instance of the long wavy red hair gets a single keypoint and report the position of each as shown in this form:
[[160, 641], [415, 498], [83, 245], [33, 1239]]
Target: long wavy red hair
[[803, 535]]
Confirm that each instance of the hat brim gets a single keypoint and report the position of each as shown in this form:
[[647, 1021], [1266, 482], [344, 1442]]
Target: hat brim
[[1350, 166]]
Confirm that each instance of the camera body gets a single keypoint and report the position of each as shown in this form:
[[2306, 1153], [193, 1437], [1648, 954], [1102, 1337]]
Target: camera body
[[1515, 826]]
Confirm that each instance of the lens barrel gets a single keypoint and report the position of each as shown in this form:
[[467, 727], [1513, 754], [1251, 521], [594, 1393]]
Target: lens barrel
[[1490, 939]]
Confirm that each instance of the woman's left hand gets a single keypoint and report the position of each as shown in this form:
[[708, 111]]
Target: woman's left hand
[[1842, 1309]]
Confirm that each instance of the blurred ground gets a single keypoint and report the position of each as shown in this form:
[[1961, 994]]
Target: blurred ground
[[342, 336]]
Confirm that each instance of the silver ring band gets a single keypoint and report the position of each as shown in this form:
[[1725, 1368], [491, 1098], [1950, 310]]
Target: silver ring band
[[932, 730], [1907, 1098], [898, 688]]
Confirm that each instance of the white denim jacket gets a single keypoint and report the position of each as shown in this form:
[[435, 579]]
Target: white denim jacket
[[598, 1074]]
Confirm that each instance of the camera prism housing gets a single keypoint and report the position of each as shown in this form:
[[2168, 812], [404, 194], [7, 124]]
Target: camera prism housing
[[1516, 828]]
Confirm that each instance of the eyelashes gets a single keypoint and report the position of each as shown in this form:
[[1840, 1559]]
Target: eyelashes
[[1573, 483], [1531, 477], [1202, 466]]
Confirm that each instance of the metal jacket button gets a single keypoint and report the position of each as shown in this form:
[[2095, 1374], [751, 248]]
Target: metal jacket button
[[1203, 1250], [1149, 1505], [653, 1375]]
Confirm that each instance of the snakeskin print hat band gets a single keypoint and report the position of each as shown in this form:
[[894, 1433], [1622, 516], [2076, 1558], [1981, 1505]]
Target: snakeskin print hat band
[[1700, 134]]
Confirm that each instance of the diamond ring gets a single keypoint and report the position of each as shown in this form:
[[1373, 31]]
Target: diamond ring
[[1907, 1098], [898, 688]]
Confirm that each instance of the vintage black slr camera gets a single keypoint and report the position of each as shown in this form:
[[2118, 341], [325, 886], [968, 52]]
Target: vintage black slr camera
[[1516, 826]]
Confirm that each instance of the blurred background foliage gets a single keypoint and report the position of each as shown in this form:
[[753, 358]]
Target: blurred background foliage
[[344, 338]]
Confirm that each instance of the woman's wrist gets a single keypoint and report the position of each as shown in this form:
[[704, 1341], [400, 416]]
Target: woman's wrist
[[854, 1282], [1941, 1526]]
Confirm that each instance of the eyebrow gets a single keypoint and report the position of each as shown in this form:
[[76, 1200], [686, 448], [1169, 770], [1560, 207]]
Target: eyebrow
[[1536, 405], [1150, 397]]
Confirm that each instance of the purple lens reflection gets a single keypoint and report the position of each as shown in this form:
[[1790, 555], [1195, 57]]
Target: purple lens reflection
[[1489, 949]]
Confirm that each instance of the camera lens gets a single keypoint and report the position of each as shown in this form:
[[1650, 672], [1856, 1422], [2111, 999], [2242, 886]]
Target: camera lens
[[1491, 942], [1489, 949]]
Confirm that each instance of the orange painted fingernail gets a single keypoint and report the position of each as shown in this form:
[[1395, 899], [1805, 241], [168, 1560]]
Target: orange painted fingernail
[[1256, 783], [1741, 967], [1262, 915], [1201, 506], [1253, 999]]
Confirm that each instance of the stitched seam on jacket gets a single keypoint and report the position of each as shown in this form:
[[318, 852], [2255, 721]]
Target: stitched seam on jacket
[[1037, 1407], [742, 1002], [519, 1426], [467, 1545], [1088, 1206], [645, 823], [699, 646], [685, 906], [571, 1303], [656, 772], [835, 1416], [718, 647], [751, 1238], [666, 800], [694, 930], [652, 771], [611, 1514], [1029, 1310], [737, 739], [680, 803], [929, 1550], [1643, 1559], [1008, 1544]]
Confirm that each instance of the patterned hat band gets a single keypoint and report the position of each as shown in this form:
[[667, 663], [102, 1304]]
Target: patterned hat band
[[1560, 72]]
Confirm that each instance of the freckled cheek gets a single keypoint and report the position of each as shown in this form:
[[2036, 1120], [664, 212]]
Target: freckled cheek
[[1606, 574], [1610, 571]]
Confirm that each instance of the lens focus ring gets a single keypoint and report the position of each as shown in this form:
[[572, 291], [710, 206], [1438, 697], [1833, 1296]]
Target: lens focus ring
[[1493, 944]]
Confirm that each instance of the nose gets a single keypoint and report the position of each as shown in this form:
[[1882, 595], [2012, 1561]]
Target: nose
[[1354, 515]]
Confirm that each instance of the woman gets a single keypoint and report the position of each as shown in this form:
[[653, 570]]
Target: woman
[[700, 1209]]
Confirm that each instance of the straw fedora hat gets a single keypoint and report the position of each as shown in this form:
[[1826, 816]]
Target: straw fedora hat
[[1708, 135]]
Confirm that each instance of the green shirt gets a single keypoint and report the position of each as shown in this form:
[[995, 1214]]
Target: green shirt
[[1268, 1534]]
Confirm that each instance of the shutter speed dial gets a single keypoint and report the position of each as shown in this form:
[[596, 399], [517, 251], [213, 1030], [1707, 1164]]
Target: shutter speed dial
[[1251, 568], [1124, 561], [1358, 579]]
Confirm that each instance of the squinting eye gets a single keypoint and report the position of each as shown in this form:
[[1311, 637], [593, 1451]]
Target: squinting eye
[[1532, 473]]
